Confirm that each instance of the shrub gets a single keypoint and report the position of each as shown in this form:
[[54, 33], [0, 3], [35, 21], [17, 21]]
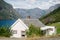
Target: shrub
[[33, 31], [5, 32]]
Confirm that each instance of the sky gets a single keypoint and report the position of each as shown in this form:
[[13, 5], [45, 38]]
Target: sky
[[29, 4]]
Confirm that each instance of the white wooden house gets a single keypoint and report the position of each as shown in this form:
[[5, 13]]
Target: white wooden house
[[18, 29]]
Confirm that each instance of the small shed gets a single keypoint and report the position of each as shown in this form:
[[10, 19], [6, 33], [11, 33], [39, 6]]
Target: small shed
[[49, 30]]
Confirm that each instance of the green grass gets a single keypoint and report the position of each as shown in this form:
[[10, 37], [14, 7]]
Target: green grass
[[57, 25]]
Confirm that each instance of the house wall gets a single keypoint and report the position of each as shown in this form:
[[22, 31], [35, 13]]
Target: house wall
[[50, 30], [19, 27]]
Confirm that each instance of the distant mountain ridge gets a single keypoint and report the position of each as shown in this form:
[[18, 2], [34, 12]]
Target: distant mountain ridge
[[7, 11], [53, 8], [36, 12], [33, 13]]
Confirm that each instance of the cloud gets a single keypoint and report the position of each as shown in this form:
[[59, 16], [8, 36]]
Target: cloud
[[28, 4], [32, 0]]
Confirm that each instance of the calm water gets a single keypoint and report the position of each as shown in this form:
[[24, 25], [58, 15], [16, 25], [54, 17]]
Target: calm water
[[6, 22]]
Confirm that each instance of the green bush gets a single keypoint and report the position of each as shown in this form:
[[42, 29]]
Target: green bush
[[33, 31], [5, 32]]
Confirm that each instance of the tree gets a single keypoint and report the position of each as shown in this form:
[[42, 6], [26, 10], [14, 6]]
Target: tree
[[5, 32]]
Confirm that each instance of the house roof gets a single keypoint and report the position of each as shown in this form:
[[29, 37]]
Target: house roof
[[34, 22], [47, 27]]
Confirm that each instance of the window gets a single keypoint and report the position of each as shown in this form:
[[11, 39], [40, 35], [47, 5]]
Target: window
[[14, 31]]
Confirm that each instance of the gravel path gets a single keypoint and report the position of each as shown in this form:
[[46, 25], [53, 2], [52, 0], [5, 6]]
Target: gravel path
[[54, 38], [11, 39], [46, 38]]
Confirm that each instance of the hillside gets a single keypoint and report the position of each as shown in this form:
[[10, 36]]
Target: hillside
[[52, 8], [52, 17], [7, 11]]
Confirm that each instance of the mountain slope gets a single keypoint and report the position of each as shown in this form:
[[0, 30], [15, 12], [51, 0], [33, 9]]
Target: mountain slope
[[7, 11], [33, 13], [53, 8], [52, 17]]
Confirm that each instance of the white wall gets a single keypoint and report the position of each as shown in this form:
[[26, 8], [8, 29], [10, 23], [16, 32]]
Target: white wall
[[19, 26], [49, 32]]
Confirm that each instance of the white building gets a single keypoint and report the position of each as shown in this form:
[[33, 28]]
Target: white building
[[18, 29], [49, 30]]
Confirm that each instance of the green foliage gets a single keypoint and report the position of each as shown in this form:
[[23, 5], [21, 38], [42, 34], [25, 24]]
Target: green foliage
[[52, 17], [33, 31], [5, 32]]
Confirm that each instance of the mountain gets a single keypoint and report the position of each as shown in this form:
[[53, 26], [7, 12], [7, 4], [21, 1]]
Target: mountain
[[7, 11], [52, 17], [36, 12], [52, 8], [33, 13]]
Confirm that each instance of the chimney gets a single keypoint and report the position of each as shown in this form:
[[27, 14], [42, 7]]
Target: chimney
[[28, 17]]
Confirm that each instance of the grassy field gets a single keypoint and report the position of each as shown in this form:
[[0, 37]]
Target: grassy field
[[57, 25]]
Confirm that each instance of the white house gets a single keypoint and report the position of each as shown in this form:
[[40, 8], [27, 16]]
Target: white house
[[18, 29], [49, 30]]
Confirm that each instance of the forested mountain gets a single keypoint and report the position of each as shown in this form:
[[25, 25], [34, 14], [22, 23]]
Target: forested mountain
[[7, 11], [52, 17]]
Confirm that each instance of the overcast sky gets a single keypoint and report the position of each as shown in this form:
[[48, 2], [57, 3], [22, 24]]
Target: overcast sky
[[28, 4]]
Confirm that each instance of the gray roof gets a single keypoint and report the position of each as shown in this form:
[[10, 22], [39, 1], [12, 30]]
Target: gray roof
[[34, 22]]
